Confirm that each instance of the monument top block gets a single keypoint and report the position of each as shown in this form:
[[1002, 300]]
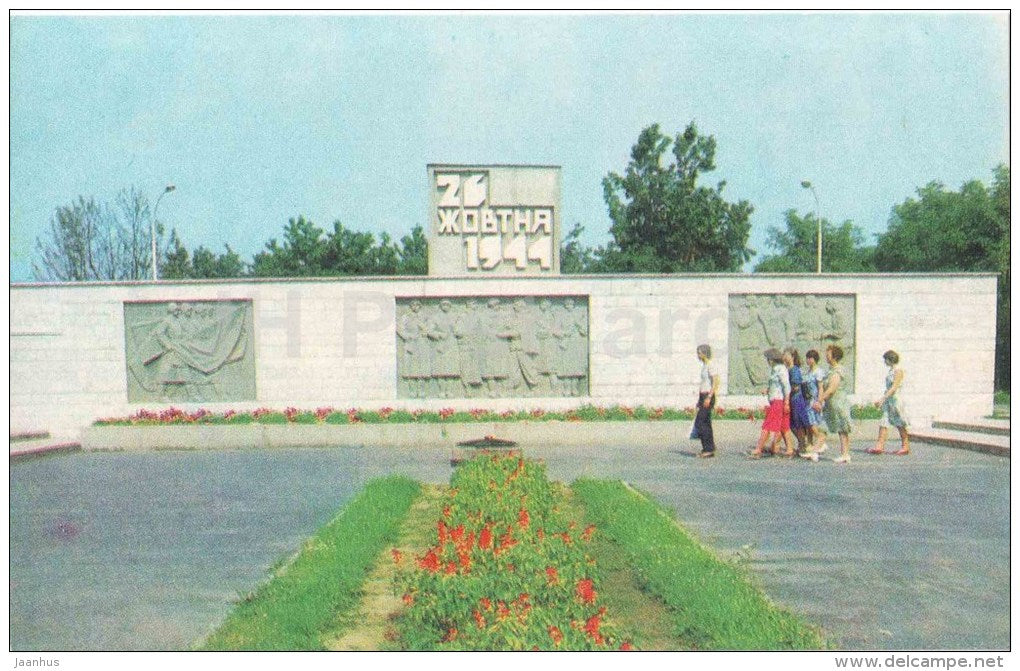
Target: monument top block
[[494, 219]]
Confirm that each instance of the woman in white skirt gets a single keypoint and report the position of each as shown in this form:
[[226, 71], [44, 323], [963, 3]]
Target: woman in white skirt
[[892, 408]]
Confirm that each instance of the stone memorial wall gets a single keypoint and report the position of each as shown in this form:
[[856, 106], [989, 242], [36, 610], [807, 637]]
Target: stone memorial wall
[[80, 352]]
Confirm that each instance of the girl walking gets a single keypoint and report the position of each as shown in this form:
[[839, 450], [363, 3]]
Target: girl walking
[[836, 402], [892, 407], [800, 423], [812, 377], [777, 413]]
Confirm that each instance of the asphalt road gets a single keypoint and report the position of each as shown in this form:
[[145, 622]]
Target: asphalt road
[[116, 551]]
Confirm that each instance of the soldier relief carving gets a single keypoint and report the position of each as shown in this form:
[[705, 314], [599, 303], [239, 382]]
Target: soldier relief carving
[[804, 321], [492, 347]]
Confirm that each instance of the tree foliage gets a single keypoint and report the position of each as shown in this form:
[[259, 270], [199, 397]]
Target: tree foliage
[[203, 264], [663, 221], [91, 241], [308, 251], [796, 247], [946, 231]]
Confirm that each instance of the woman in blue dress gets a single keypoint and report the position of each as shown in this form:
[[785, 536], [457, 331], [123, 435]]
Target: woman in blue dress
[[800, 423], [812, 377]]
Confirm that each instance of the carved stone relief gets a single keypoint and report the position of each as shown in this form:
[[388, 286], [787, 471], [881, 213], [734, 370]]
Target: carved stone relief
[[189, 351], [804, 321], [492, 347]]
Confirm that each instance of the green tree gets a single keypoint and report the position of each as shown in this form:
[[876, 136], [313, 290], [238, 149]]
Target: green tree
[[575, 256], [306, 251], [298, 256], [956, 231], [207, 265], [796, 247], [413, 253], [177, 262], [663, 221]]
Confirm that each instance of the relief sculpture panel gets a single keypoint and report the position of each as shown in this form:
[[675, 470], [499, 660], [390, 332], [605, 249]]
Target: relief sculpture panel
[[189, 351], [492, 347], [804, 321]]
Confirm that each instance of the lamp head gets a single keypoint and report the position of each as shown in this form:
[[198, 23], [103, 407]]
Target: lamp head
[[806, 184], [169, 188]]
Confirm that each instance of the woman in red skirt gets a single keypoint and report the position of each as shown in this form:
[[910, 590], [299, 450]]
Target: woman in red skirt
[[777, 415]]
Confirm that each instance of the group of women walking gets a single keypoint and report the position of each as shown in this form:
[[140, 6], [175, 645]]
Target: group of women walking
[[806, 403]]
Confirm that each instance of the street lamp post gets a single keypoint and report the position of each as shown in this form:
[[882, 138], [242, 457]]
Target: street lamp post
[[152, 229], [807, 185]]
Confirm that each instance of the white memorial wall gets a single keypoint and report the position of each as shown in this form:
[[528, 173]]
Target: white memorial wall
[[331, 342]]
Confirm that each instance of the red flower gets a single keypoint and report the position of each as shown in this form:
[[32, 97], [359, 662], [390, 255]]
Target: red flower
[[555, 634], [586, 590], [502, 612], [408, 599], [451, 568], [441, 526], [457, 533], [397, 555], [626, 646], [505, 543], [541, 534], [588, 531], [450, 635], [551, 575], [465, 560], [447, 511], [566, 538], [479, 620], [591, 627], [523, 519], [466, 543], [430, 562], [485, 539], [485, 603]]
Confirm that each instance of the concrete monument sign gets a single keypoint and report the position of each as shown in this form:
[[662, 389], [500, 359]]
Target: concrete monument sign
[[494, 220], [804, 321], [492, 347], [194, 351]]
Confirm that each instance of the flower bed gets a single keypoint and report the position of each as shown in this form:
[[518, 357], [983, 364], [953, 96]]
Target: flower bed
[[328, 415], [505, 572]]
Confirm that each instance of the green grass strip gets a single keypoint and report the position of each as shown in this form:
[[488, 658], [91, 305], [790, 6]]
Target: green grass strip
[[714, 603], [293, 610]]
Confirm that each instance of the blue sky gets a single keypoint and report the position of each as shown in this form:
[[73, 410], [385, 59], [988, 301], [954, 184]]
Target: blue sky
[[260, 118]]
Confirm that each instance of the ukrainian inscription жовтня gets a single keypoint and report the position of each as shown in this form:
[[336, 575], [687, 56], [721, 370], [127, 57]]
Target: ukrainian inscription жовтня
[[804, 321], [492, 347], [501, 220], [189, 351]]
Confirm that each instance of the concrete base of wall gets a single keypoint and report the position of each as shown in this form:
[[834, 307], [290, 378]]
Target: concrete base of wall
[[728, 434]]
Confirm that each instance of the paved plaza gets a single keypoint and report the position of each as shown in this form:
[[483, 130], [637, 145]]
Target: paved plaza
[[147, 550]]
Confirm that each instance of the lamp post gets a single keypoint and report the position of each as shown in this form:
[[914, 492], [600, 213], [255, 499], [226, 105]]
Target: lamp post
[[152, 229], [807, 185]]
